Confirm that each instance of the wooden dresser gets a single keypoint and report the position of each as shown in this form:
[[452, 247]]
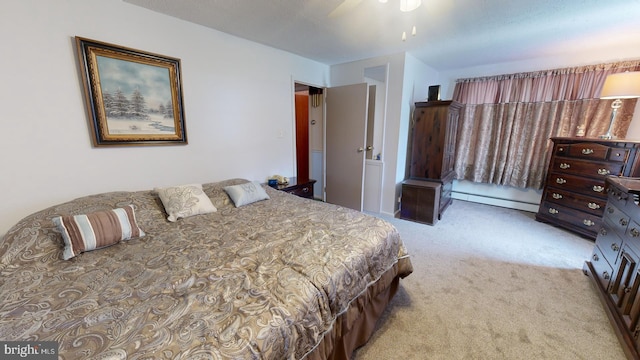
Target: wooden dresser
[[614, 264], [574, 195], [431, 152]]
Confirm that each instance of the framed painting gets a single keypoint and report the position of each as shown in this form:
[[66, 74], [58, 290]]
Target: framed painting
[[133, 97]]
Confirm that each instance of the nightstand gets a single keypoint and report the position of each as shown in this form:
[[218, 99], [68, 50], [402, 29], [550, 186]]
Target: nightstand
[[301, 188]]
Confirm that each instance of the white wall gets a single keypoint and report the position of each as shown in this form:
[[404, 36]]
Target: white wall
[[238, 99]]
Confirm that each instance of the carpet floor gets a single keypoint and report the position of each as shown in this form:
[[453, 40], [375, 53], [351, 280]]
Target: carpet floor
[[493, 283]]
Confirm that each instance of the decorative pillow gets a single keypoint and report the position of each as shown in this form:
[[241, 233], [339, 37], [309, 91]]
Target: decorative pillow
[[96, 230], [246, 193], [184, 201]]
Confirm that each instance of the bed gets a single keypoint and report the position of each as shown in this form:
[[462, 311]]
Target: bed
[[279, 278]]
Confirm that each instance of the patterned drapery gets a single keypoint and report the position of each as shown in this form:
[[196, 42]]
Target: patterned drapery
[[507, 120]]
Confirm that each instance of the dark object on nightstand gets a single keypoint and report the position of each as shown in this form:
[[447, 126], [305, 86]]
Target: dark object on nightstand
[[301, 188]]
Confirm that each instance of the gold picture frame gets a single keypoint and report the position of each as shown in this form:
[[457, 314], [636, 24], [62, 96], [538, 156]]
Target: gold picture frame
[[133, 97]]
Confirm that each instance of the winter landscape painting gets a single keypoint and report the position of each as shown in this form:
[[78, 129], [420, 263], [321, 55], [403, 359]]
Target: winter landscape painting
[[134, 97]]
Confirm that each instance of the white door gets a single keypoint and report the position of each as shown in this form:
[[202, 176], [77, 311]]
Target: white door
[[346, 128]]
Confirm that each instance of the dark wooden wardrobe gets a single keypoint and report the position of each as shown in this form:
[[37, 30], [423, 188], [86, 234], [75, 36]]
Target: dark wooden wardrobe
[[426, 193]]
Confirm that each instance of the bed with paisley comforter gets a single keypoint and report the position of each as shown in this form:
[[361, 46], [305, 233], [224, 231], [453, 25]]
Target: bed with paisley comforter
[[280, 278]]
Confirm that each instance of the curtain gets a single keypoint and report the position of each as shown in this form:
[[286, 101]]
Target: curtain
[[507, 120]]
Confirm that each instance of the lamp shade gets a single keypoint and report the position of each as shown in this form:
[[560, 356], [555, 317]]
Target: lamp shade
[[624, 85]]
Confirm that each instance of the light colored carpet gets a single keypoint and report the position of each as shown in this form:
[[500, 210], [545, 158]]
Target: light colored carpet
[[493, 283]]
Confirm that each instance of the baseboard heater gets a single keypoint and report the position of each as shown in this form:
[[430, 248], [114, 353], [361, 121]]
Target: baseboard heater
[[497, 201]]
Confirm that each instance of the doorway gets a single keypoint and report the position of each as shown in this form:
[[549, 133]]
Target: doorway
[[302, 135], [309, 129], [371, 188]]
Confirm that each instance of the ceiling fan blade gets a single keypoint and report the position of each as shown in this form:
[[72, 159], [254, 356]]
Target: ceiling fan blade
[[345, 7]]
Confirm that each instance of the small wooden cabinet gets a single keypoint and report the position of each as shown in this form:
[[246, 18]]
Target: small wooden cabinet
[[432, 147], [298, 187], [420, 201], [613, 266], [574, 194]]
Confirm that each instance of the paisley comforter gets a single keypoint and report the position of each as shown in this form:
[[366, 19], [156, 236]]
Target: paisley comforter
[[264, 281]]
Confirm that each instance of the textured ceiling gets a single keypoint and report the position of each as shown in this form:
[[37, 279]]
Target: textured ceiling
[[450, 33]]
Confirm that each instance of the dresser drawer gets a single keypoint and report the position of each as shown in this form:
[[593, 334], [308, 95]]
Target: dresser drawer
[[617, 154], [616, 219], [631, 208], [609, 242], [577, 201], [587, 186], [585, 221], [586, 168], [302, 188], [589, 151], [302, 191], [445, 197], [632, 235], [603, 269]]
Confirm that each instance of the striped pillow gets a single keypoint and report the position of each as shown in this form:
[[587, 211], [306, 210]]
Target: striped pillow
[[96, 230]]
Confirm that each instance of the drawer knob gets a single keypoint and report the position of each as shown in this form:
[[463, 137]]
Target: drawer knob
[[623, 222], [587, 151], [605, 275], [615, 247], [588, 222], [603, 232], [553, 211], [603, 172], [634, 232], [556, 196], [595, 257], [598, 188], [564, 166], [610, 210], [305, 189], [593, 206], [560, 181]]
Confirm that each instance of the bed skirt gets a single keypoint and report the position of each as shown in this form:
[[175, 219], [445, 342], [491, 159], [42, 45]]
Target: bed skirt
[[354, 327]]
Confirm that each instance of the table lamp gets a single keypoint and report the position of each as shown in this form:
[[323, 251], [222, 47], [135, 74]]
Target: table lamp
[[618, 86]]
